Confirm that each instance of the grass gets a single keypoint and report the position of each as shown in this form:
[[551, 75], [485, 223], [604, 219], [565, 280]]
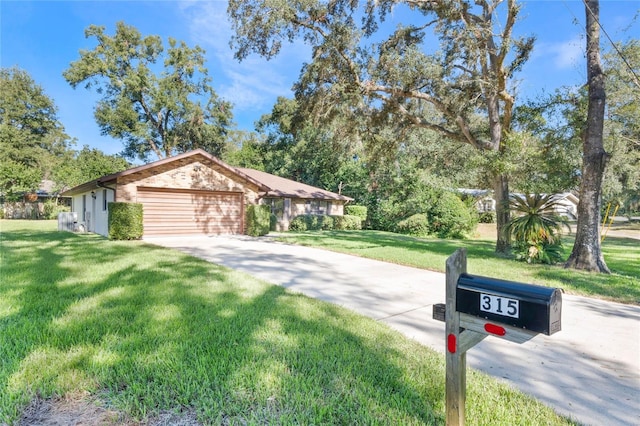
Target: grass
[[621, 254], [147, 329]]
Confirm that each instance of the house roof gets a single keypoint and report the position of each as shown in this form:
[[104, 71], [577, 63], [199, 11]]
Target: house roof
[[268, 183], [112, 178], [282, 187]]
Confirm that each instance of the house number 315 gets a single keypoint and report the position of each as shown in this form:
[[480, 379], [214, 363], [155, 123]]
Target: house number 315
[[500, 305]]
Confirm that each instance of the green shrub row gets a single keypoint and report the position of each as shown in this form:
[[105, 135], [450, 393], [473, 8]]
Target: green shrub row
[[317, 222], [125, 221], [354, 210], [447, 217], [258, 220], [347, 223]]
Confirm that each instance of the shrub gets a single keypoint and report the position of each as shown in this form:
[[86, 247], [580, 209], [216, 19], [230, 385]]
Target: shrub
[[258, 220], [273, 222], [125, 221], [536, 228], [417, 225], [354, 210], [536, 219], [538, 252], [298, 223], [487, 217], [311, 222], [450, 217], [347, 223], [386, 215], [52, 209], [328, 223]]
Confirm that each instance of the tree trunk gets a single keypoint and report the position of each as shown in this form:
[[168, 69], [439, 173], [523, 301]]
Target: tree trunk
[[501, 196], [587, 253]]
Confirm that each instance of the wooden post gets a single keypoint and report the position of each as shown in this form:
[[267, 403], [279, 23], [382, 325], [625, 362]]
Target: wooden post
[[457, 341]]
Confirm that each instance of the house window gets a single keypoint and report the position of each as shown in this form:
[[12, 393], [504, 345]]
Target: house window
[[276, 204], [316, 207], [104, 200], [84, 207]]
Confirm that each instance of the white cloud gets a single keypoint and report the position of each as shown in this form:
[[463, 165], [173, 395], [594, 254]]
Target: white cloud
[[566, 54], [252, 84]]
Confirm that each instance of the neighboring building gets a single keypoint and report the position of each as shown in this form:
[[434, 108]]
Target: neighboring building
[[32, 205], [567, 205], [483, 199], [196, 193], [567, 202]]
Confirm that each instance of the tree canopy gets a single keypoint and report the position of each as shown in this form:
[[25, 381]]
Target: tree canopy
[[85, 165], [397, 78], [31, 136], [163, 113]]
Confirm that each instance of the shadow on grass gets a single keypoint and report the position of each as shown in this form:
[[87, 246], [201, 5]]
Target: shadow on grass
[[153, 329], [370, 239]]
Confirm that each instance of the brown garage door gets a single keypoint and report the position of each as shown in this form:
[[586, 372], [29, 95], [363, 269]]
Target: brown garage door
[[186, 212]]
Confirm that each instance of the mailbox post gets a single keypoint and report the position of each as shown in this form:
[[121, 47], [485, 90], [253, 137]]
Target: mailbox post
[[477, 307]]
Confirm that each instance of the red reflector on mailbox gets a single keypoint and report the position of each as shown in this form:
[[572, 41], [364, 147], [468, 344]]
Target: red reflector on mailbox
[[495, 329], [451, 343]]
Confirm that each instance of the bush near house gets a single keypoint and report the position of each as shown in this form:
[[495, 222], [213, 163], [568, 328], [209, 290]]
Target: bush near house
[[347, 223], [258, 220], [416, 225], [487, 217], [320, 222], [355, 210], [450, 217], [312, 222], [52, 209], [125, 221]]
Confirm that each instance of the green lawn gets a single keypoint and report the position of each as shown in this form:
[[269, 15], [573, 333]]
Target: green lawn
[[621, 254], [144, 329]]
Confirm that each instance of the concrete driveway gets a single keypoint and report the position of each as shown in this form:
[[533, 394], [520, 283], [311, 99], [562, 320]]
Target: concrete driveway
[[589, 371]]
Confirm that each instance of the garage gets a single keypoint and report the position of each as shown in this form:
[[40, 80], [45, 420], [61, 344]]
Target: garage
[[169, 211], [194, 193]]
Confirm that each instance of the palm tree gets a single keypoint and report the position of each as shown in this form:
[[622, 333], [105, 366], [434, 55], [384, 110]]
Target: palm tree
[[536, 228]]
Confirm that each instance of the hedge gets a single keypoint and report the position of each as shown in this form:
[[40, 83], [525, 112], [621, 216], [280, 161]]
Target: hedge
[[354, 210], [347, 223], [311, 222], [125, 221], [258, 220], [416, 225], [450, 217]]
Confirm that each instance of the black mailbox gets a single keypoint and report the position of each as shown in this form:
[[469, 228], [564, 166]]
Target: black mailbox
[[530, 307]]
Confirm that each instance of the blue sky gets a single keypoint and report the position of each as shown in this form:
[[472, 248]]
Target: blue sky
[[44, 37]]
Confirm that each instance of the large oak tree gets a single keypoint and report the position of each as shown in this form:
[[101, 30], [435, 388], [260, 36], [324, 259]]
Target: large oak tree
[[457, 86], [162, 113]]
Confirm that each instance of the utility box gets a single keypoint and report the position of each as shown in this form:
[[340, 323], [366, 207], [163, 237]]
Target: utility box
[[68, 221], [529, 307]]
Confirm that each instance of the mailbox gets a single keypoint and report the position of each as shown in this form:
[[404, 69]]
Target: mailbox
[[530, 307]]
